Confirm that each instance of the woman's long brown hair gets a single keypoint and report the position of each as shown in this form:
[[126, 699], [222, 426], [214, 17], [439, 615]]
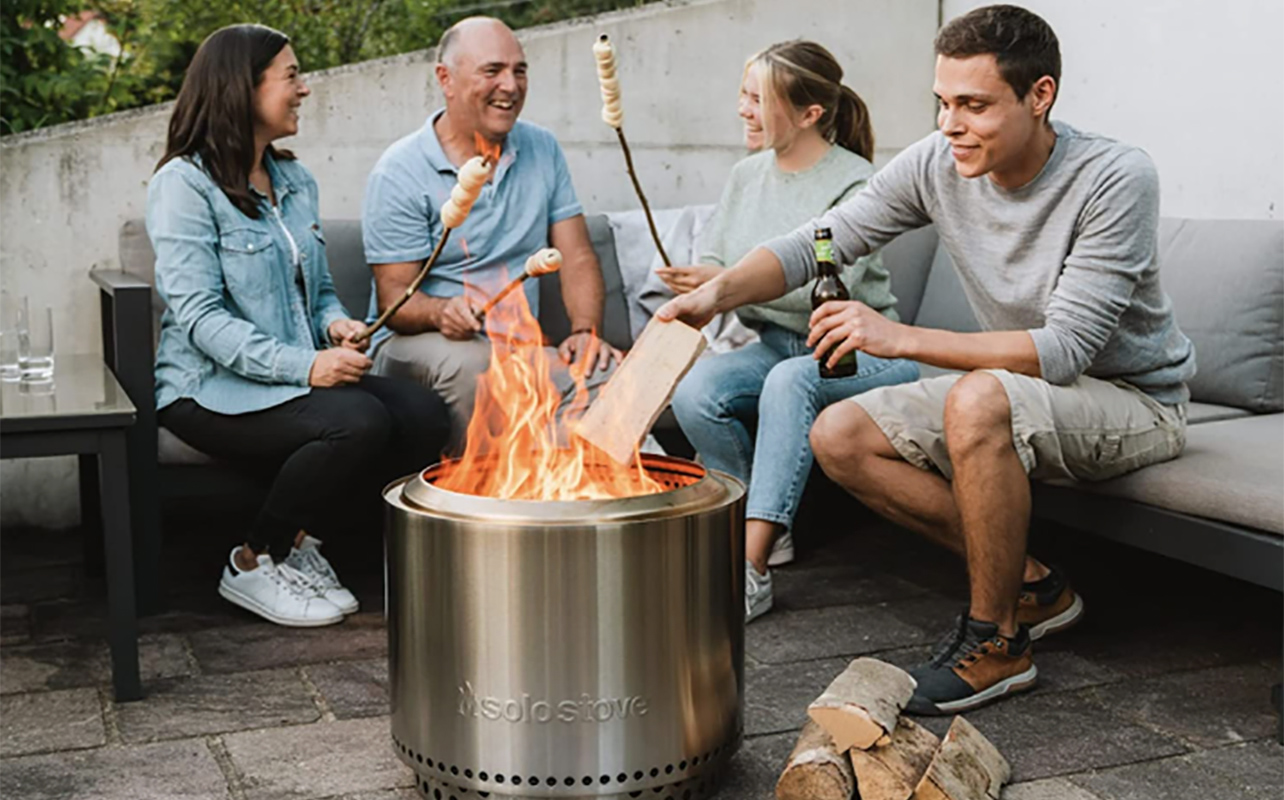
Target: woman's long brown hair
[[214, 114]]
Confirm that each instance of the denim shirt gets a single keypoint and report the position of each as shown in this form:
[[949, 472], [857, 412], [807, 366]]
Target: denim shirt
[[248, 305]]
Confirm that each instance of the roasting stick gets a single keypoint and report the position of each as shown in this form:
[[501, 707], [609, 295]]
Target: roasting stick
[[545, 262], [613, 115], [472, 177]]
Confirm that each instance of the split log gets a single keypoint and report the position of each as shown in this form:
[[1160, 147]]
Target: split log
[[967, 767], [891, 771], [816, 770], [639, 390], [861, 706]]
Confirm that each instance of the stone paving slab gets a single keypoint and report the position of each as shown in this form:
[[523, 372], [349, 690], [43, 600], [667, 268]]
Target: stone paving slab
[[1255, 767], [15, 623], [756, 767], [318, 760], [817, 587], [47, 721], [777, 696], [1207, 708], [1047, 789], [74, 663], [168, 771], [176, 708], [263, 645], [87, 619], [786, 636], [354, 688], [1047, 735], [1172, 778]]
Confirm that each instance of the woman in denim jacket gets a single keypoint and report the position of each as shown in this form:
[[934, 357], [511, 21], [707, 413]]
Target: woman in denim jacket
[[257, 362]]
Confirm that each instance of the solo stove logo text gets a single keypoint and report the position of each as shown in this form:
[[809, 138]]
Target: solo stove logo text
[[526, 709]]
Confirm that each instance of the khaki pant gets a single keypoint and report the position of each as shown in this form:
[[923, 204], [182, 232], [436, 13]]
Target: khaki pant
[[1090, 430], [451, 368]]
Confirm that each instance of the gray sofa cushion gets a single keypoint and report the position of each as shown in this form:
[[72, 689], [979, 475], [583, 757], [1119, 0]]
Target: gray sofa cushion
[[346, 255], [615, 313], [1226, 280], [1231, 471], [908, 260]]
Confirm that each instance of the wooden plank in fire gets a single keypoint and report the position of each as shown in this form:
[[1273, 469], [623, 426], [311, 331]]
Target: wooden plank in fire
[[639, 390]]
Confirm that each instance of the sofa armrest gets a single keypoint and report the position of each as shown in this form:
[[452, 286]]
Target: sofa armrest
[[125, 301]]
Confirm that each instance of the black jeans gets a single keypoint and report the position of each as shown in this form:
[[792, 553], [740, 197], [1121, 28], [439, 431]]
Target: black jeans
[[329, 450]]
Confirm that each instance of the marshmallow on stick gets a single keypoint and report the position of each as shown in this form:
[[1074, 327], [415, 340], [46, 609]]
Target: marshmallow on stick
[[544, 262], [612, 112], [613, 115], [472, 177]]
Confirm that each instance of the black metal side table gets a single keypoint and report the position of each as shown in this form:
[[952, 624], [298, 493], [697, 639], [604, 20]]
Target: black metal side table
[[85, 412]]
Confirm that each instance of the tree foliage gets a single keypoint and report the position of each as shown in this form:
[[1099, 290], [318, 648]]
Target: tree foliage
[[45, 81]]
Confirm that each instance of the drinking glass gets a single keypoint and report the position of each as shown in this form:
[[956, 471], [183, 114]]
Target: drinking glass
[[9, 314], [36, 344]]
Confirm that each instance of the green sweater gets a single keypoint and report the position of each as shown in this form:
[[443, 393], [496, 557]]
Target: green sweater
[[761, 202]]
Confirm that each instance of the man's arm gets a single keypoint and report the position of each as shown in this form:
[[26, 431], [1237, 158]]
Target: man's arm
[[847, 326], [421, 313]]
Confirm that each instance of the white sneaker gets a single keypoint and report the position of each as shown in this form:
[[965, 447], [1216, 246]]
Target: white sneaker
[[782, 550], [314, 566], [757, 592], [277, 592]]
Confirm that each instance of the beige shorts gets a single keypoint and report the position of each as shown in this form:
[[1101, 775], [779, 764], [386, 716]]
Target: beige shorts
[[1090, 430]]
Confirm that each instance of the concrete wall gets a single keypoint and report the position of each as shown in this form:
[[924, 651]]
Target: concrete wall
[[65, 191], [1197, 84]]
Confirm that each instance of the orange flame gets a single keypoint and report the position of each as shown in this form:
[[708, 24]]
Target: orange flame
[[518, 446], [489, 151]]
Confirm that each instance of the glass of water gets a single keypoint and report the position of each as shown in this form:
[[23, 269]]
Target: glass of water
[[36, 344], [9, 314]]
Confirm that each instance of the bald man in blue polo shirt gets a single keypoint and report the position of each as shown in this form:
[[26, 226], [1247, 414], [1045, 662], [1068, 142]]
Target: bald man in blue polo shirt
[[528, 204]]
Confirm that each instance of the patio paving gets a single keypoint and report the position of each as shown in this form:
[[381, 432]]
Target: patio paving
[[1162, 692]]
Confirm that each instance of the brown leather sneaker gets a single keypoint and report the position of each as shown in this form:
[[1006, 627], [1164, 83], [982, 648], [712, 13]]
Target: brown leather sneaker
[[1049, 605], [972, 667]]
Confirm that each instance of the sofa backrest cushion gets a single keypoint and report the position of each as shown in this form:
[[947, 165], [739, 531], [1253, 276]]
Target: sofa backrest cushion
[[908, 259], [615, 314], [1226, 281]]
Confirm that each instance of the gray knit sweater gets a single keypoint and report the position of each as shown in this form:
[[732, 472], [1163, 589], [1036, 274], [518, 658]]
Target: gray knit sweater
[[1070, 256]]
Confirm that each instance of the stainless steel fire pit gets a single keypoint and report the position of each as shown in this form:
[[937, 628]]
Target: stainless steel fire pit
[[567, 649]]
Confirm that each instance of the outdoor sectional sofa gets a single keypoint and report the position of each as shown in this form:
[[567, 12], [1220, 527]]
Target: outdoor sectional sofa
[[1221, 505]]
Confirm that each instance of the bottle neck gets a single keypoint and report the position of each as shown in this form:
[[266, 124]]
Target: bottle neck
[[826, 268]]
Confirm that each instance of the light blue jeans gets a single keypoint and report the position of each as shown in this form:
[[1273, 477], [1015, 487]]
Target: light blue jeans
[[773, 385]]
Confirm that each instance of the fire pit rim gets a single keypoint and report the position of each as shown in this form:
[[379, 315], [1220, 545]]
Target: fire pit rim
[[710, 489]]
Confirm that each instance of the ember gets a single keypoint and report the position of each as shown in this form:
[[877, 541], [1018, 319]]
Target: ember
[[518, 444]]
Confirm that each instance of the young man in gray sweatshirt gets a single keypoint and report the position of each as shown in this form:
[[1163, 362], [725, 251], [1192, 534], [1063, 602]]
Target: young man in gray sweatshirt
[[1080, 372]]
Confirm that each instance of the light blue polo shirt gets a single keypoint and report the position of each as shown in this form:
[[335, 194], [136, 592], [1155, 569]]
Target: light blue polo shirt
[[401, 216]]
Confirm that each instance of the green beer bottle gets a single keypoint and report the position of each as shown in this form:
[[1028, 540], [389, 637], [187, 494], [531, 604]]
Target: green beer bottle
[[830, 287]]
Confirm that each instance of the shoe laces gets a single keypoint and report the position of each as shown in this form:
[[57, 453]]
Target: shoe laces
[[315, 567], [292, 580], [963, 647]]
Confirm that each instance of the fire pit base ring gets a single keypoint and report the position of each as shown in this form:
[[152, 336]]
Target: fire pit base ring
[[702, 785]]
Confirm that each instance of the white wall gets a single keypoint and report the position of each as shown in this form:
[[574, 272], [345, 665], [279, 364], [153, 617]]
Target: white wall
[[65, 191], [1199, 85]]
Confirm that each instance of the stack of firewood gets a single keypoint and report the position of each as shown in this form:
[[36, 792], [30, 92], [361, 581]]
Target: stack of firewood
[[857, 742]]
